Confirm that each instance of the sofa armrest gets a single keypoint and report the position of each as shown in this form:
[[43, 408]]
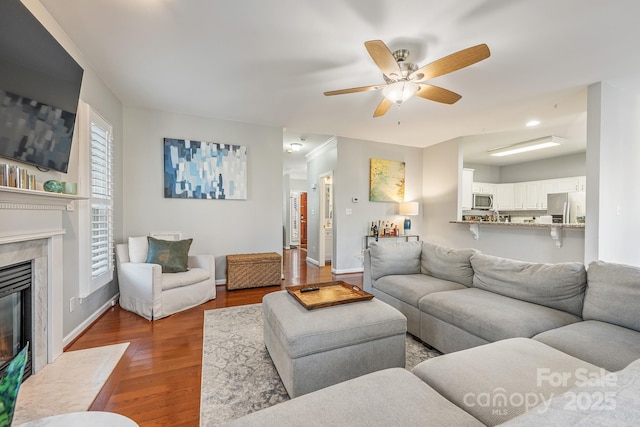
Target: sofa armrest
[[140, 285], [366, 279]]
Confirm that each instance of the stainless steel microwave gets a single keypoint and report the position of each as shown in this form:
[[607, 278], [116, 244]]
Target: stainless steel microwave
[[482, 201]]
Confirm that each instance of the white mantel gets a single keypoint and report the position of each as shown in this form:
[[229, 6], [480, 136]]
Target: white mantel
[[18, 198]]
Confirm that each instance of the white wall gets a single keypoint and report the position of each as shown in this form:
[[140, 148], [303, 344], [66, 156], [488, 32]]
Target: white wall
[[351, 179], [320, 161], [98, 95], [555, 167], [484, 173], [218, 227], [613, 155], [442, 165]]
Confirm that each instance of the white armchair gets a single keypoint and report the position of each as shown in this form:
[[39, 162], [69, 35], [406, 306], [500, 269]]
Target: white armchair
[[147, 291]]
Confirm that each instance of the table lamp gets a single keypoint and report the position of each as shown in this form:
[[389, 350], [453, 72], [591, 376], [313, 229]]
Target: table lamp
[[408, 209]]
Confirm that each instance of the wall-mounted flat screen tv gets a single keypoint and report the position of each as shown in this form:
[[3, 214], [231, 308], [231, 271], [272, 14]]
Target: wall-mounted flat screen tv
[[39, 91]]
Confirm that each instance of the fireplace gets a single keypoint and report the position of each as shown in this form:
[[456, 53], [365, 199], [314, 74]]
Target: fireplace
[[41, 251], [16, 314]]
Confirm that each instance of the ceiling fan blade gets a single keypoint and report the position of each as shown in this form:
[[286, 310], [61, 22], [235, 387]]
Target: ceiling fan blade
[[383, 107], [353, 90], [438, 94], [383, 58], [450, 63]]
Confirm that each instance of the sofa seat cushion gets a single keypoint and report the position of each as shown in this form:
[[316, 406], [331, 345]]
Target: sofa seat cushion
[[409, 288], [603, 344], [491, 316], [392, 397], [185, 278], [499, 381], [612, 401], [560, 286], [613, 294]]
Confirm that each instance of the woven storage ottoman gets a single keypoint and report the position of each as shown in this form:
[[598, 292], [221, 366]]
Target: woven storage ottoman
[[313, 349], [253, 270]]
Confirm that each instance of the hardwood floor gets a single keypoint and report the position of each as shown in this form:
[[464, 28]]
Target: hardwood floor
[[157, 382]]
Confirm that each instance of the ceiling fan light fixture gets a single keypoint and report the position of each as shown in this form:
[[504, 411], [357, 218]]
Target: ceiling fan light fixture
[[522, 147], [400, 91]]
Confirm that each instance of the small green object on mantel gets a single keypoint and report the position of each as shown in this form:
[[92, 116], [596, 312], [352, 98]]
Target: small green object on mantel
[[53, 186]]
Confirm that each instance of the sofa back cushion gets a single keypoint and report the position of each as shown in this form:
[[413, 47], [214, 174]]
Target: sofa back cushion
[[447, 263], [613, 294], [138, 249], [394, 258], [560, 286]]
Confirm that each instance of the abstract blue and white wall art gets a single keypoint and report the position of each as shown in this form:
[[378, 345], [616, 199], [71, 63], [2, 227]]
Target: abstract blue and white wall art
[[204, 170]]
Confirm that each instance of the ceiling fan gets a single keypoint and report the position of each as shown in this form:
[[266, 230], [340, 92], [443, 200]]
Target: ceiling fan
[[404, 79]]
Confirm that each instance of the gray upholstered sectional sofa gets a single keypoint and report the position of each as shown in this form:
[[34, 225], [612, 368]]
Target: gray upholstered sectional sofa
[[527, 345], [456, 299]]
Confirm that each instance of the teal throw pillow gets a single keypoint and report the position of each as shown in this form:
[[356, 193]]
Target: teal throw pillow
[[172, 255]]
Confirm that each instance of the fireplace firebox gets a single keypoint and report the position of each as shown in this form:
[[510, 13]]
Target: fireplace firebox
[[15, 313]]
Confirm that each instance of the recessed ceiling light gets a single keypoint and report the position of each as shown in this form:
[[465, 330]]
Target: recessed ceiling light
[[532, 123]]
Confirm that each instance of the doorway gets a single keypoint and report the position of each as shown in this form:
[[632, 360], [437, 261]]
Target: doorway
[[303, 220], [325, 238]]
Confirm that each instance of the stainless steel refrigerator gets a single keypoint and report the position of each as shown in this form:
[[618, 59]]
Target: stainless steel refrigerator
[[566, 207]]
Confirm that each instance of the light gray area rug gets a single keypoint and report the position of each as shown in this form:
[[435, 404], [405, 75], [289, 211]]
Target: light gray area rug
[[238, 376]]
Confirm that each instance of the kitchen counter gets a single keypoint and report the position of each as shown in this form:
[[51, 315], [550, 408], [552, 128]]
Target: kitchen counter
[[554, 229], [520, 224]]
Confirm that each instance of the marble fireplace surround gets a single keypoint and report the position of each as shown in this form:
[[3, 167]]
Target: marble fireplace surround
[[45, 249]]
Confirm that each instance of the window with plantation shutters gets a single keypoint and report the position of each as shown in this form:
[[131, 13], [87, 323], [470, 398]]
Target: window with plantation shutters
[[101, 200]]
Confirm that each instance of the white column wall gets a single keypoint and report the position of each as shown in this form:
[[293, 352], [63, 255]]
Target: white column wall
[[613, 175]]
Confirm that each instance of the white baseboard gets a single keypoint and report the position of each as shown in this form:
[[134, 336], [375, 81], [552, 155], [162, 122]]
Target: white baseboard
[[348, 270], [221, 281], [313, 261], [88, 321]]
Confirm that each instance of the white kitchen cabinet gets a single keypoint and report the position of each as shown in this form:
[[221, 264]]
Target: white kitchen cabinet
[[484, 187], [567, 185], [531, 197], [504, 197], [328, 244], [519, 190], [467, 189], [544, 188]]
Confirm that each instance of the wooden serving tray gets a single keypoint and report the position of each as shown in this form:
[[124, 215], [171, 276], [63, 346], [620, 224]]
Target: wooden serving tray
[[329, 294]]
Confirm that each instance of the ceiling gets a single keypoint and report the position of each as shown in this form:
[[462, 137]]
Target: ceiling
[[270, 62]]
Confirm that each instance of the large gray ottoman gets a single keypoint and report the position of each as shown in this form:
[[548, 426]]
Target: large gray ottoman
[[313, 349]]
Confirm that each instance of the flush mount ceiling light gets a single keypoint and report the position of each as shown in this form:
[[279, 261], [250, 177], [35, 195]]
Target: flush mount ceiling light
[[296, 146], [522, 147], [532, 123]]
